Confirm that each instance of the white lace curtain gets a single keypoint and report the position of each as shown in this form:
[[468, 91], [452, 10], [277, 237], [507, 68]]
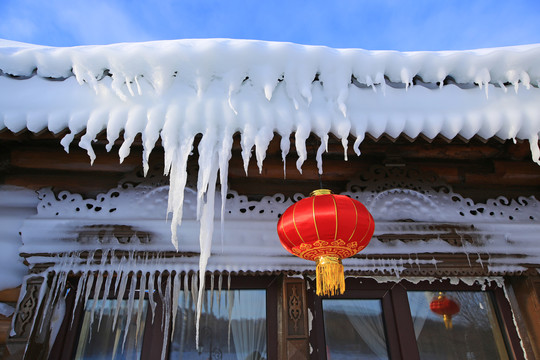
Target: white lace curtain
[[365, 317], [248, 325], [244, 333]]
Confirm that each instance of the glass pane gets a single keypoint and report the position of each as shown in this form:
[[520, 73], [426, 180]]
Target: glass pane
[[472, 333], [354, 329], [232, 326], [100, 340]]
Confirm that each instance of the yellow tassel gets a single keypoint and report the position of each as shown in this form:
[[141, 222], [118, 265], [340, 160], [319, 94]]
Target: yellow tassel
[[330, 276], [447, 321]]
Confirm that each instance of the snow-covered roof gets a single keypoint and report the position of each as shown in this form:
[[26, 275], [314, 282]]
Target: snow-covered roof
[[258, 88]]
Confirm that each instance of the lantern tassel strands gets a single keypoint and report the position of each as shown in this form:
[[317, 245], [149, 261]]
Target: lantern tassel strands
[[330, 276]]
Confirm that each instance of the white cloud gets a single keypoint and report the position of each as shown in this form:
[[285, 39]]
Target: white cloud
[[64, 22]]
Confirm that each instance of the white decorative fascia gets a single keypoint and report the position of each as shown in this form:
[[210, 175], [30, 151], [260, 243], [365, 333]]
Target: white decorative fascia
[[417, 219], [390, 194]]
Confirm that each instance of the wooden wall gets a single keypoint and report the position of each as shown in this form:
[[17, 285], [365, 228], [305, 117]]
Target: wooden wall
[[475, 169]]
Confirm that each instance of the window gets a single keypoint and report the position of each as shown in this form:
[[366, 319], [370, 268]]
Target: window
[[395, 321], [109, 331], [234, 323], [354, 328], [472, 333], [232, 326]]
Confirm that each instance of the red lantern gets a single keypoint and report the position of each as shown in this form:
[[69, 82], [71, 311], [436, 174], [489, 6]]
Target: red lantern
[[326, 228], [445, 306]]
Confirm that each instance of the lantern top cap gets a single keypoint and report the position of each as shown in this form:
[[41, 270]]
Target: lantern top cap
[[320, 192]]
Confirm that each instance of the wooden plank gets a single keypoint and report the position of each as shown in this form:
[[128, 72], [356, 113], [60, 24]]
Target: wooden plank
[[71, 181], [76, 160], [10, 295], [5, 327], [273, 169]]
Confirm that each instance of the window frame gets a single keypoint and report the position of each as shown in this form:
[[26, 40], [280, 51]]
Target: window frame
[[67, 339], [397, 318]]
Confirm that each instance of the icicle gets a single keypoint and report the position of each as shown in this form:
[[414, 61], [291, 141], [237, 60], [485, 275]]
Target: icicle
[[230, 304], [212, 293], [142, 291], [56, 321], [320, 151], [285, 147], [131, 300], [194, 288], [175, 295], [186, 287], [80, 289], [220, 283], [167, 312], [48, 301], [159, 288], [224, 157], [99, 282], [178, 178], [480, 261], [357, 142], [96, 295], [62, 280], [345, 144], [106, 291], [120, 296], [120, 274], [205, 239], [151, 300]]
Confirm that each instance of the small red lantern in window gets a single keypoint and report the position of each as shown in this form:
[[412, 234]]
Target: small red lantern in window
[[326, 228], [446, 306]]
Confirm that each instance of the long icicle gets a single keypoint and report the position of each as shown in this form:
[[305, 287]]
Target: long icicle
[[167, 312], [230, 304], [212, 293], [151, 300], [131, 300], [120, 296], [142, 291], [106, 291], [80, 289], [176, 294], [49, 298], [97, 291], [220, 284]]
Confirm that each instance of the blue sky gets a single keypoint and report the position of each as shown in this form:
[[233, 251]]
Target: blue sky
[[369, 24]]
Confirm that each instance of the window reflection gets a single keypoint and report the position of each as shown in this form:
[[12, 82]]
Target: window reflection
[[474, 334], [99, 339], [232, 326], [354, 329]]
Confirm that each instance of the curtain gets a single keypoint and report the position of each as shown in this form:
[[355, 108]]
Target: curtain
[[419, 305], [365, 317], [248, 324]]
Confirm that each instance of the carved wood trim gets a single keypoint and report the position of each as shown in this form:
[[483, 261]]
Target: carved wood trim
[[26, 311], [293, 331]]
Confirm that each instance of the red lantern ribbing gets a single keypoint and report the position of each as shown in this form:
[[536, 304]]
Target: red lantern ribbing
[[326, 228], [446, 306]]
